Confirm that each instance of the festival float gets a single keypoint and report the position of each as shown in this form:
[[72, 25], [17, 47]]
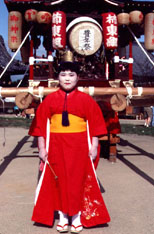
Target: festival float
[[94, 33]]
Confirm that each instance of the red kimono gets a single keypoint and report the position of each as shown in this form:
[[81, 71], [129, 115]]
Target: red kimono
[[76, 188], [110, 117]]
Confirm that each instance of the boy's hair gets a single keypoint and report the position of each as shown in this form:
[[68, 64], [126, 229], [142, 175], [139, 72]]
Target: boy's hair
[[69, 66]]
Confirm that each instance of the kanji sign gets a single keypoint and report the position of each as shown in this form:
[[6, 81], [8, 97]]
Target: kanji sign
[[44, 17], [86, 39], [110, 30], [58, 30], [30, 15], [14, 29]]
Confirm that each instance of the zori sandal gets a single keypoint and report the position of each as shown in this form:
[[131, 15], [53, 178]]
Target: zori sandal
[[76, 229], [63, 228]]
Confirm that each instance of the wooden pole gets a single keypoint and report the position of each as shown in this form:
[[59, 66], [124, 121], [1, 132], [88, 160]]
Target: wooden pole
[[51, 73], [106, 70], [130, 56], [93, 91]]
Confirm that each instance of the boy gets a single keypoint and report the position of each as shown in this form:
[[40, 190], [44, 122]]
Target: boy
[[67, 156]]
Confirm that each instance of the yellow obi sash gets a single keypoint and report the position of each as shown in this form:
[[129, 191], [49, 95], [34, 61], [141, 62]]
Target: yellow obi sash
[[76, 124]]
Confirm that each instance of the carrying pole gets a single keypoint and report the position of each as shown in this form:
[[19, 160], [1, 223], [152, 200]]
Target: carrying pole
[[93, 91]]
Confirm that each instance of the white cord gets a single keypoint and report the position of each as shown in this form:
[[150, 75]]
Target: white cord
[[41, 92], [0, 92], [89, 146], [23, 77], [140, 91], [91, 90], [129, 91], [113, 3], [141, 46], [80, 89], [15, 53], [3, 103], [129, 96], [57, 2], [30, 90]]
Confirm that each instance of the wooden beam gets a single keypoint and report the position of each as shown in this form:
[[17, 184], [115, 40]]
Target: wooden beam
[[93, 91]]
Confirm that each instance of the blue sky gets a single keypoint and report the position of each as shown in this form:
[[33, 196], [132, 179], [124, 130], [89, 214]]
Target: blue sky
[[3, 20], [4, 28]]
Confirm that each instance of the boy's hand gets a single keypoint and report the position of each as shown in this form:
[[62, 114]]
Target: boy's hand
[[43, 154], [41, 147], [93, 152]]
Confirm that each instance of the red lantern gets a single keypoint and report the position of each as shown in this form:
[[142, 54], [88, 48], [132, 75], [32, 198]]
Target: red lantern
[[123, 18], [30, 15], [136, 17], [44, 17], [14, 30], [58, 30], [110, 30], [149, 31]]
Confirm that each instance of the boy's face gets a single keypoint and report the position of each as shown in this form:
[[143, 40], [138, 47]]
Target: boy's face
[[68, 80]]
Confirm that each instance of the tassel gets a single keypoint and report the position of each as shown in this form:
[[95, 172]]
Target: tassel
[[65, 120]]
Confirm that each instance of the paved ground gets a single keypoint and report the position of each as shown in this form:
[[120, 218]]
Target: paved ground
[[128, 185]]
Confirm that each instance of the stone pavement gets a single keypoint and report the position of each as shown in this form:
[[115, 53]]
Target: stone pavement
[[127, 185]]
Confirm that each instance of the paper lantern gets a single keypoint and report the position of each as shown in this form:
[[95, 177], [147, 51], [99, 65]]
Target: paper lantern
[[44, 17], [123, 18], [30, 15], [58, 30], [135, 17], [110, 30], [14, 30], [149, 31], [85, 35]]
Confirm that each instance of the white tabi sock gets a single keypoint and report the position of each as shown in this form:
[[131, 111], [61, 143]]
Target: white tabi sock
[[63, 218], [76, 221]]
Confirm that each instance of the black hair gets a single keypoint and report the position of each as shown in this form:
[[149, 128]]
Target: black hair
[[69, 66]]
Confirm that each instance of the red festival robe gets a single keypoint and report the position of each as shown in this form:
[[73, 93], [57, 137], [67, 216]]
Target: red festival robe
[[76, 188]]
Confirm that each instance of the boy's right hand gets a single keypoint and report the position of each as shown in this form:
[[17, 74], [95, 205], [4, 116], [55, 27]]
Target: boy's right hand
[[43, 154]]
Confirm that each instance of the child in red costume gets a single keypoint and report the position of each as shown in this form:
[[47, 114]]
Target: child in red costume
[[61, 127]]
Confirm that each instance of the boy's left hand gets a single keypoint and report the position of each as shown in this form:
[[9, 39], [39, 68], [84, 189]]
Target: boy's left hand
[[93, 152]]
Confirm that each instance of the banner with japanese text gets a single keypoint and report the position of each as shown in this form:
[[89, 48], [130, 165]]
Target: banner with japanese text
[[110, 30]]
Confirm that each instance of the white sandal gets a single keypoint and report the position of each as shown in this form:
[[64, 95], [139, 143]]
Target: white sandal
[[76, 229], [63, 228]]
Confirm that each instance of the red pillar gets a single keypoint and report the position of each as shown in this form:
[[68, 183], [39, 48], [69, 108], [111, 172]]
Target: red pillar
[[31, 62]]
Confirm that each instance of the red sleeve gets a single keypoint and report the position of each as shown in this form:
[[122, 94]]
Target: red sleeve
[[95, 119], [39, 123]]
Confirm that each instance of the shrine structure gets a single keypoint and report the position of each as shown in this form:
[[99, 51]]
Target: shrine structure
[[94, 33]]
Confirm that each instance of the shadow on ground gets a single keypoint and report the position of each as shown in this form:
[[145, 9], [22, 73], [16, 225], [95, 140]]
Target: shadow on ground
[[14, 154], [140, 151]]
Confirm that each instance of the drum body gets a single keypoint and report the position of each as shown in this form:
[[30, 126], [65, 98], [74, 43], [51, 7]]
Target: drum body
[[85, 35]]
